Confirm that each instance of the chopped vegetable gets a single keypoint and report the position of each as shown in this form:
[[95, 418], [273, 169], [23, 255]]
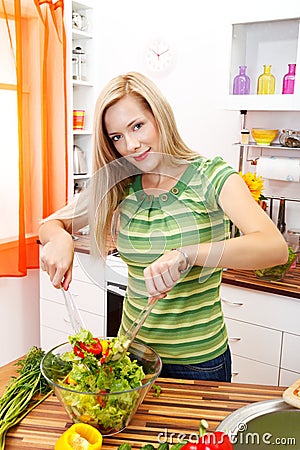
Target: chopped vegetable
[[84, 344], [23, 393], [87, 373], [277, 272], [216, 440], [79, 436], [157, 390]]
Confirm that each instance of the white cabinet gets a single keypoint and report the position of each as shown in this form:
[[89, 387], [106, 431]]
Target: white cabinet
[[291, 352], [264, 335], [254, 44], [89, 296]]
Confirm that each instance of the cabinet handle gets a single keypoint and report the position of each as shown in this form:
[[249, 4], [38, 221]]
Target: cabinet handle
[[234, 374], [231, 303], [234, 339]]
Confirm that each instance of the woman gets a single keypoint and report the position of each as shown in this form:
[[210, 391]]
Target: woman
[[171, 208]]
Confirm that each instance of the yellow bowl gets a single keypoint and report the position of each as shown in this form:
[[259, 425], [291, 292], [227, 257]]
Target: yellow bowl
[[263, 137]]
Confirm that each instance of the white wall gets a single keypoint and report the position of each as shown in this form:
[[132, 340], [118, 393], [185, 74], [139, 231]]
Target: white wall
[[196, 88], [19, 318]]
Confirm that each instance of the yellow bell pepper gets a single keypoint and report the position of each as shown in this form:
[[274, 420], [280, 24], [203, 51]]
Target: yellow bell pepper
[[80, 436]]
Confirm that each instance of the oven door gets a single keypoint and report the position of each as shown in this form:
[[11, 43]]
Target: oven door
[[115, 297]]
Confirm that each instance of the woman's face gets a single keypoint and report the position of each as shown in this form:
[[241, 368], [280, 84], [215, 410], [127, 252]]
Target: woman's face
[[134, 133]]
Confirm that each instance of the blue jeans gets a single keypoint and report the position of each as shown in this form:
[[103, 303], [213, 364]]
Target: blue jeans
[[217, 369]]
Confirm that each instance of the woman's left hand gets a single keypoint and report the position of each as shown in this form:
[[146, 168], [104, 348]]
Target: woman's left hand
[[162, 275]]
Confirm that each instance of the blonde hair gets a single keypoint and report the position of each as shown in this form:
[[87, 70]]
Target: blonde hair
[[112, 174]]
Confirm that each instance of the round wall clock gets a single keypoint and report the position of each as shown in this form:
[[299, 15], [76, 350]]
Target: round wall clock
[[159, 56]]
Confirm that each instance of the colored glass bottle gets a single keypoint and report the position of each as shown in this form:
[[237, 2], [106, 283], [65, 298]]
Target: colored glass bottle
[[241, 82], [266, 81], [289, 80]]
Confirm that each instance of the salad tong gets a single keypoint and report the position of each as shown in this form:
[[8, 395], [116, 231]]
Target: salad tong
[[138, 323], [73, 312], [125, 340]]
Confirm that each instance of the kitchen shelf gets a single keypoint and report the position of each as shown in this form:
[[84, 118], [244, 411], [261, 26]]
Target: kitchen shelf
[[82, 132], [82, 4], [82, 83], [78, 34], [82, 92], [272, 102], [273, 146], [82, 177], [254, 44]]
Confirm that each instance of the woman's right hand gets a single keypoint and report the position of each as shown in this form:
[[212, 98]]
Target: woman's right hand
[[56, 258]]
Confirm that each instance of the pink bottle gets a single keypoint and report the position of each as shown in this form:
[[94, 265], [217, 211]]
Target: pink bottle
[[289, 80]]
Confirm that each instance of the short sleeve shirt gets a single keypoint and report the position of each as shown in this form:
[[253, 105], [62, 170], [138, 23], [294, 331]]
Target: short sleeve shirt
[[187, 326]]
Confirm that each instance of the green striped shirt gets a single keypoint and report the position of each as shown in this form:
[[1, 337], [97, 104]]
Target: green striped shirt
[[186, 327]]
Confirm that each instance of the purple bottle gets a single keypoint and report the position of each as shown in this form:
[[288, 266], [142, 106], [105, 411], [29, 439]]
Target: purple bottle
[[289, 80], [241, 83]]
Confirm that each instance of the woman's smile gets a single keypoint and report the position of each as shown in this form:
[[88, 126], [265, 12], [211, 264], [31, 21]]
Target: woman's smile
[[142, 156]]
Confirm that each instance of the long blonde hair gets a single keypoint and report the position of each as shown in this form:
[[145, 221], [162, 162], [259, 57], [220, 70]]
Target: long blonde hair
[[111, 173]]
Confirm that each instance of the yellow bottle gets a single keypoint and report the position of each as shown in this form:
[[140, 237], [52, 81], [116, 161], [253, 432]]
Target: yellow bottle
[[266, 81]]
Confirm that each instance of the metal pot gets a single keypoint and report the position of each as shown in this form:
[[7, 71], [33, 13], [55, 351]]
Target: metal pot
[[261, 424], [79, 161]]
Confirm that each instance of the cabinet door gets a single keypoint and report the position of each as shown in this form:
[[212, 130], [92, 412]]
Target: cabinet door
[[55, 316], [291, 352], [89, 269], [50, 338], [88, 296], [254, 342], [287, 377], [261, 308], [248, 371]]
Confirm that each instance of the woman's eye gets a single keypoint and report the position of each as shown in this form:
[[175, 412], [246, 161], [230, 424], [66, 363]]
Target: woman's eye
[[137, 126], [116, 137]]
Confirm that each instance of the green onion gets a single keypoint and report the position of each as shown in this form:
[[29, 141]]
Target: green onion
[[23, 393]]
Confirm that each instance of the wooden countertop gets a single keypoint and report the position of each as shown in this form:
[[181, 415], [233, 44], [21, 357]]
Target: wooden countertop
[[178, 410], [290, 286]]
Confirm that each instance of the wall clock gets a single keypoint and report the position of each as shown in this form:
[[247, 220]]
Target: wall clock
[[159, 56]]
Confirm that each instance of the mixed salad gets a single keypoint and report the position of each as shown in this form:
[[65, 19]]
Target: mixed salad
[[97, 388], [277, 272]]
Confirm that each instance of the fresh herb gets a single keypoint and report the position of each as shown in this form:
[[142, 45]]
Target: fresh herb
[[23, 393], [163, 446], [157, 390], [124, 446]]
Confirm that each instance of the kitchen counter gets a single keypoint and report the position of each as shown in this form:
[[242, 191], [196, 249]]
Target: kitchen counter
[[290, 286], [177, 410]]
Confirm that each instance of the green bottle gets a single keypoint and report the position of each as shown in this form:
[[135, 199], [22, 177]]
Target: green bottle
[[266, 81]]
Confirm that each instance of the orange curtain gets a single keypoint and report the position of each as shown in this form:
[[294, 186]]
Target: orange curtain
[[36, 35]]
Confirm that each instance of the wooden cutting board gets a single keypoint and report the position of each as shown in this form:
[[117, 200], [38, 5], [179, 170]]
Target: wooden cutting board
[[289, 286], [178, 410]]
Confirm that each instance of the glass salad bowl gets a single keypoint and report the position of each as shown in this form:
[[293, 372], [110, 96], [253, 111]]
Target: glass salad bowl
[[126, 383], [277, 273]]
